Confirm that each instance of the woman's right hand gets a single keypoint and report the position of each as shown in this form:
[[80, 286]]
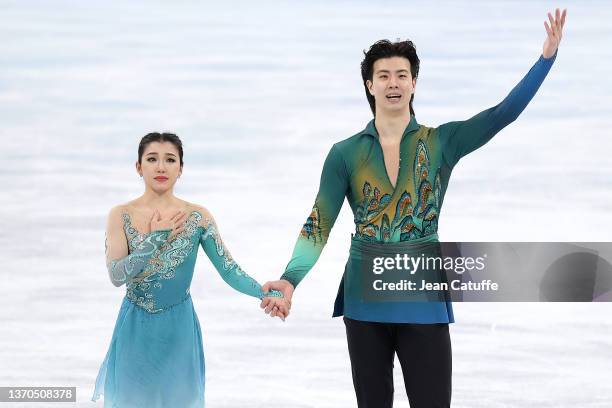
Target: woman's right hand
[[174, 223]]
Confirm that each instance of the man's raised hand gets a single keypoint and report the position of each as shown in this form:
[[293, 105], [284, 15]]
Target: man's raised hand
[[554, 33]]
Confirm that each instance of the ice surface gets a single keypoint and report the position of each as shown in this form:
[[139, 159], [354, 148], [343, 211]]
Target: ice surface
[[259, 91]]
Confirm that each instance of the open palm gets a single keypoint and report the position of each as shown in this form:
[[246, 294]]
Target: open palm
[[554, 31]]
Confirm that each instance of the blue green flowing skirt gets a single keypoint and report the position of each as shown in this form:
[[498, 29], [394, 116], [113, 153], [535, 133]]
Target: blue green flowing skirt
[[154, 360]]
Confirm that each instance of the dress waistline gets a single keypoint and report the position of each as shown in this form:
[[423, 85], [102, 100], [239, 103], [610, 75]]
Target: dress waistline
[[150, 310]]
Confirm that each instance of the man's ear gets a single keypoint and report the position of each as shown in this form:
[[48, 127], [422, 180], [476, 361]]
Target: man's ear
[[369, 86], [413, 85]]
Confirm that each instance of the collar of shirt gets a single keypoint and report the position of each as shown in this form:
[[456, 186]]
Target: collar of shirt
[[371, 128]]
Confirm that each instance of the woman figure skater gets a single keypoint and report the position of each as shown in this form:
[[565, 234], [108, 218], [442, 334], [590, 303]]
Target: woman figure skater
[[394, 174], [155, 358]]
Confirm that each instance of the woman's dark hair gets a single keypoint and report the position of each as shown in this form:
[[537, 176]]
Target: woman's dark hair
[[387, 49], [160, 137]]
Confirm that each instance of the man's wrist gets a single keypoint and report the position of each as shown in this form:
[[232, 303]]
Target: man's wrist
[[290, 281], [553, 56]]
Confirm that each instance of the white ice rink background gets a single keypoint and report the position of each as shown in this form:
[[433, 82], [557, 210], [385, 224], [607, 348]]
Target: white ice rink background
[[259, 91]]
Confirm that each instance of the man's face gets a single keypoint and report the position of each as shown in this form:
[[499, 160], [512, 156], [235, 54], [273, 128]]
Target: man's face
[[392, 85]]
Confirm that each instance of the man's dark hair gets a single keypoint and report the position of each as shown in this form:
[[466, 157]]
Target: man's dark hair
[[160, 137], [387, 49]]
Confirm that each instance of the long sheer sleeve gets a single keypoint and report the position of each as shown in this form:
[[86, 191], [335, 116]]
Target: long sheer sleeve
[[123, 269], [315, 231], [230, 271], [462, 137]]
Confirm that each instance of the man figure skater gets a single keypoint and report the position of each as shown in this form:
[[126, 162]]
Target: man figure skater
[[394, 174]]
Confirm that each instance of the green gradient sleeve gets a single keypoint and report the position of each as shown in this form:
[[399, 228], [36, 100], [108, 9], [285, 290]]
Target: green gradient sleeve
[[315, 232], [230, 271], [463, 137], [121, 270]]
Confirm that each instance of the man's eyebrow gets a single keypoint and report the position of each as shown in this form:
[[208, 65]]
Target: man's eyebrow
[[386, 71]]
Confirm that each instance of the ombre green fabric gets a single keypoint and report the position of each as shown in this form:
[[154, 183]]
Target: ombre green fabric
[[355, 169]]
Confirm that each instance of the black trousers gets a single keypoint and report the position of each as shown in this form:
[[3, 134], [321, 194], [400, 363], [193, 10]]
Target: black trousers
[[423, 350]]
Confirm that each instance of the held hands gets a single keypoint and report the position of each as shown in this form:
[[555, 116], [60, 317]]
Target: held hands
[[176, 223], [555, 32], [278, 306]]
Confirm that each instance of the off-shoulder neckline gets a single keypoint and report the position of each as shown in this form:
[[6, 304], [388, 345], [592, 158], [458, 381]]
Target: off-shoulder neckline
[[144, 234]]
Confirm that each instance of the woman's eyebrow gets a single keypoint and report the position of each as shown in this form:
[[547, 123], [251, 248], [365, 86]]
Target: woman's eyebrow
[[155, 153]]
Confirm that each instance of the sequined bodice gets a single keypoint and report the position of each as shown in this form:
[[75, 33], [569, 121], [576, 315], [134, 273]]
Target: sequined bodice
[[166, 279]]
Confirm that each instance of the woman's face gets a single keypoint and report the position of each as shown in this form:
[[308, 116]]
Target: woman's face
[[160, 166]]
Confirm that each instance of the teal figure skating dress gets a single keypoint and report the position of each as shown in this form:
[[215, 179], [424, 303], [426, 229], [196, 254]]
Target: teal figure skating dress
[[155, 358]]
